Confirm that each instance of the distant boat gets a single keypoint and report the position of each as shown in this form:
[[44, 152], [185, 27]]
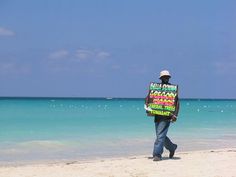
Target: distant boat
[[109, 98]]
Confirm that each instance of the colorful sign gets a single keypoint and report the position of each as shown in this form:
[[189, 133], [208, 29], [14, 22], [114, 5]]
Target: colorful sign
[[162, 99]]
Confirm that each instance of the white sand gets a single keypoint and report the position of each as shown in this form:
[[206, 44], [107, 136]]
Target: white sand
[[208, 163]]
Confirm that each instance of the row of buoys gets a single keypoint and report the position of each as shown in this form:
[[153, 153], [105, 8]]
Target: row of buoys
[[105, 107], [198, 110]]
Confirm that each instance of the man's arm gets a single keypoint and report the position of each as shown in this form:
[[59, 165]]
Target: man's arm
[[146, 104], [175, 114], [146, 100], [177, 108]]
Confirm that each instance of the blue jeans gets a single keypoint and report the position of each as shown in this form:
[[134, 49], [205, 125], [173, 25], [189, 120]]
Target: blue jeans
[[162, 139]]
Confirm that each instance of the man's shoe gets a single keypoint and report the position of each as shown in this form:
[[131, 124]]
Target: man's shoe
[[172, 153], [156, 158]]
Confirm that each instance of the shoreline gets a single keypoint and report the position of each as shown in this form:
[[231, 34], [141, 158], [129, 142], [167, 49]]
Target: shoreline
[[47, 155], [109, 158], [204, 163]]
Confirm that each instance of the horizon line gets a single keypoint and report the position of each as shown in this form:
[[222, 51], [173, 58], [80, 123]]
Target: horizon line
[[75, 97]]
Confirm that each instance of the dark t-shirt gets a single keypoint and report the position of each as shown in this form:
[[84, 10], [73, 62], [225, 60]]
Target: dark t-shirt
[[159, 118]]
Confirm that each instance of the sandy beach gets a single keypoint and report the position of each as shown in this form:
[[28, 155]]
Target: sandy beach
[[207, 163]]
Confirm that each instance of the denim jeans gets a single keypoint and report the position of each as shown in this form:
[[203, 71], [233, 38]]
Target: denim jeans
[[162, 139]]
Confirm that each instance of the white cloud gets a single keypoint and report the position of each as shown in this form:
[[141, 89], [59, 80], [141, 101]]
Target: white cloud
[[59, 54], [13, 68], [80, 55], [115, 67], [6, 32], [63, 60], [138, 69], [83, 54], [103, 55], [6, 66], [226, 67], [60, 68]]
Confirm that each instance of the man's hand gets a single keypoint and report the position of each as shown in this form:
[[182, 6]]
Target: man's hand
[[173, 118]]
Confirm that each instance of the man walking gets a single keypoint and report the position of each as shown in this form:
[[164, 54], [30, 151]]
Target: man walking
[[163, 116]]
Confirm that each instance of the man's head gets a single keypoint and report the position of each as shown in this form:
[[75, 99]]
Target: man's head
[[165, 76]]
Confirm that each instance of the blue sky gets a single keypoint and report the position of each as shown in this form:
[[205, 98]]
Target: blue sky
[[113, 48]]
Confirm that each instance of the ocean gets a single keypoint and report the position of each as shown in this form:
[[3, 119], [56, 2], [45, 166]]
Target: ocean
[[51, 129]]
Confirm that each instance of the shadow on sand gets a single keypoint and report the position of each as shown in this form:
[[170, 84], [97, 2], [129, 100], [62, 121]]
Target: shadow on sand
[[166, 158]]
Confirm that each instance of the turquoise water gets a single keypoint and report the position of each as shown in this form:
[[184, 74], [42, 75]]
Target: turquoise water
[[81, 128]]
